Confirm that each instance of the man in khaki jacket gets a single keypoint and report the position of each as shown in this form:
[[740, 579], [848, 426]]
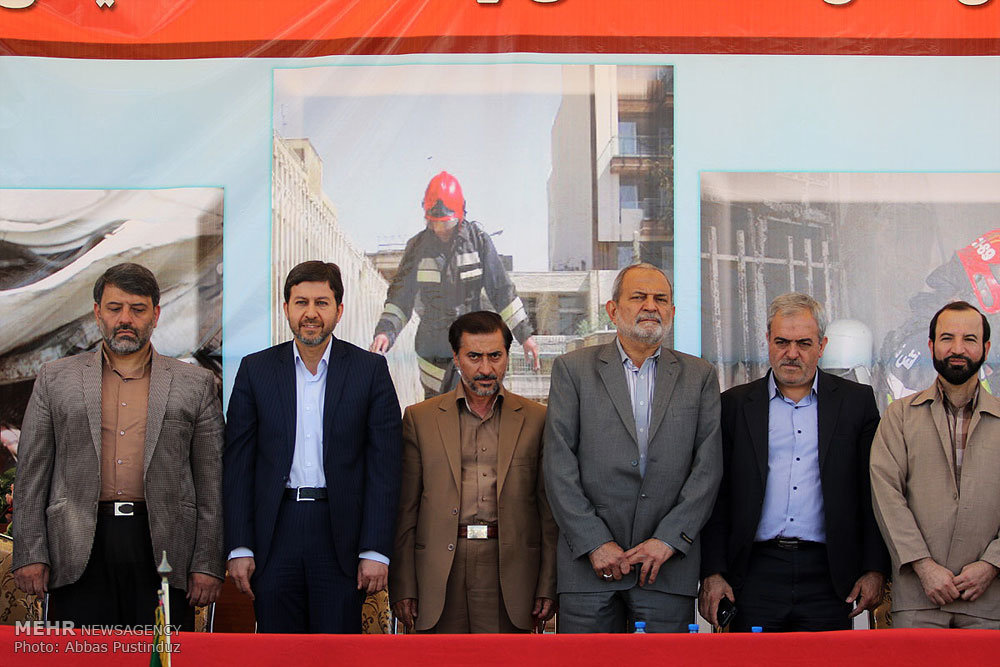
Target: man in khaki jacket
[[475, 539], [935, 469]]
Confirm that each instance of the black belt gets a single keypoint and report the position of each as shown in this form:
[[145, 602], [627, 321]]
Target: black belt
[[122, 508], [789, 543], [306, 493], [481, 531]]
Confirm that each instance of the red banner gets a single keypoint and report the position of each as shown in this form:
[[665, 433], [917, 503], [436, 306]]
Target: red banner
[[286, 28]]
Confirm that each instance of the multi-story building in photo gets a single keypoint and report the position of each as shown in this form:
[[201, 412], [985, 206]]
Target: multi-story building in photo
[[304, 227], [611, 186]]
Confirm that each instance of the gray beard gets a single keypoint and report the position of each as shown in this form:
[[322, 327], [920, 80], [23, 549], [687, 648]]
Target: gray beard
[[642, 335], [125, 346], [313, 342]]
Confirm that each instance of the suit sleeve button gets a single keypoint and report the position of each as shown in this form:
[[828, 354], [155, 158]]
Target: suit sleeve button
[[635, 463], [454, 510], [451, 547]]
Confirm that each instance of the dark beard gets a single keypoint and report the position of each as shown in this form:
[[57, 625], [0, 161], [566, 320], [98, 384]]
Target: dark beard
[[955, 375]]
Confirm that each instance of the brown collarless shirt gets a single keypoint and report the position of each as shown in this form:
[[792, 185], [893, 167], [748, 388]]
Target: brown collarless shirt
[[480, 441], [124, 399]]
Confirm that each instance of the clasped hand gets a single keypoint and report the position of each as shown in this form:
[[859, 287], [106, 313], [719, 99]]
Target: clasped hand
[[609, 561]]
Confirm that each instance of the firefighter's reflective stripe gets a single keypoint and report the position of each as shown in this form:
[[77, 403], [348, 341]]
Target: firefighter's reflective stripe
[[471, 273], [431, 376], [427, 271], [426, 276], [393, 310], [467, 258], [514, 313]]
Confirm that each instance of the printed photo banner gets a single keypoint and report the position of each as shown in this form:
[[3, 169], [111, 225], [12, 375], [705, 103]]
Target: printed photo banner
[[584, 135], [155, 29]]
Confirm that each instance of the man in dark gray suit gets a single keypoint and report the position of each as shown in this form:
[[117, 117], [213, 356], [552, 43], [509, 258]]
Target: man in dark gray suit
[[120, 460], [632, 464]]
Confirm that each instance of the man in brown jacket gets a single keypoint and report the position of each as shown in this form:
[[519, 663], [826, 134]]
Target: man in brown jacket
[[475, 540], [935, 470], [120, 461]]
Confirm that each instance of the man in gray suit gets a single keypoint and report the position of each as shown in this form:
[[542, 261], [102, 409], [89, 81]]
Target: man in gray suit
[[632, 464], [120, 461]]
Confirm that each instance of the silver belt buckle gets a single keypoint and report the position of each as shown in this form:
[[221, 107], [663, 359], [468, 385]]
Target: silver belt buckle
[[299, 498], [476, 532], [124, 508]]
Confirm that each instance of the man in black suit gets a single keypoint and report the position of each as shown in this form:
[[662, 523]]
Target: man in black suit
[[311, 469], [792, 539]]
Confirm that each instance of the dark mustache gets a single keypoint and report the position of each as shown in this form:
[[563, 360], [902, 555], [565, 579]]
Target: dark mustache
[[958, 356], [124, 327], [481, 376]]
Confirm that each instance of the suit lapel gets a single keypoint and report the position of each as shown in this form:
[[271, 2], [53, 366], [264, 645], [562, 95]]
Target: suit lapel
[[613, 376], [285, 382], [159, 388], [451, 439], [511, 421], [336, 372], [827, 410], [92, 397], [666, 380], [944, 433], [757, 413]]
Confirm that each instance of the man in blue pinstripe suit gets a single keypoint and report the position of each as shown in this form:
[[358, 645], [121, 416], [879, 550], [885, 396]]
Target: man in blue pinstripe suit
[[311, 469]]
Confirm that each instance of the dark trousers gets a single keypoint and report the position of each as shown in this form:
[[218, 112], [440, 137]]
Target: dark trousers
[[789, 591], [301, 588], [119, 584]]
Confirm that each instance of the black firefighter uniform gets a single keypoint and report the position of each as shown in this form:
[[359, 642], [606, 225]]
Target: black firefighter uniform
[[443, 280]]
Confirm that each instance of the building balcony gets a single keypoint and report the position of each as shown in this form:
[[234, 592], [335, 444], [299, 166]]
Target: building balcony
[[638, 155], [652, 209], [644, 145]]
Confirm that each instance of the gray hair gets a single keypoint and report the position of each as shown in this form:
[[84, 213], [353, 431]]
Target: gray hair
[[796, 302], [616, 290]]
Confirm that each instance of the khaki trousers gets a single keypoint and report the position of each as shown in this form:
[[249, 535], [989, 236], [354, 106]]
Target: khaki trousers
[[937, 618], [473, 601]]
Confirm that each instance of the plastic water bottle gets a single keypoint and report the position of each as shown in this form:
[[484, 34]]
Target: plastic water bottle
[[640, 627], [756, 628], [693, 628]]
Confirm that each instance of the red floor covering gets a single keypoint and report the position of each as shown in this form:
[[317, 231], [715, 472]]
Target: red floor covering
[[942, 648]]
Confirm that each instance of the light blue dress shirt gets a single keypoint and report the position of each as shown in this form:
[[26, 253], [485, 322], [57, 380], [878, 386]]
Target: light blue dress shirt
[[310, 392], [641, 385], [793, 495], [307, 459]]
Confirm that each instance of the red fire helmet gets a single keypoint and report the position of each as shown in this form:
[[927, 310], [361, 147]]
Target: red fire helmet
[[981, 260], [443, 199]]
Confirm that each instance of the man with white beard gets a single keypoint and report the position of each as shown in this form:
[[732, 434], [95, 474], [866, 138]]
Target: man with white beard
[[632, 465]]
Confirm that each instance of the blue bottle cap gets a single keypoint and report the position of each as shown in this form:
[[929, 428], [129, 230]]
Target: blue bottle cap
[[693, 627], [756, 628]]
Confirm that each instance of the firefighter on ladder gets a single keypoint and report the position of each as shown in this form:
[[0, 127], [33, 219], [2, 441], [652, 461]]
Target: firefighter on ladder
[[443, 273]]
